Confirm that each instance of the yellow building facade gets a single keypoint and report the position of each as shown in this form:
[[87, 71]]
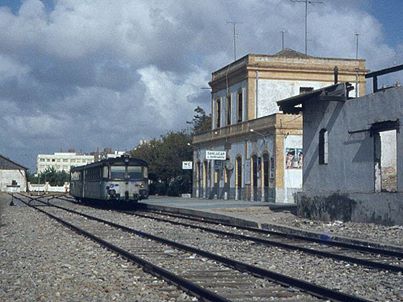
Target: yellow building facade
[[259, 149]]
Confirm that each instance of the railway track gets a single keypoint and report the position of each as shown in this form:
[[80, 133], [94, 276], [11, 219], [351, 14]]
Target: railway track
[[206, 275], [356, 254]]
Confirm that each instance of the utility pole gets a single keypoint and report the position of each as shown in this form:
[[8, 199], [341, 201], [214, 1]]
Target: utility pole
[[356, 69], [356, 45], [234, 23], [306, 19]]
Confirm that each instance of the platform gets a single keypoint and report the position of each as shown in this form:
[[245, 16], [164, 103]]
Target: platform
[[262, 215]]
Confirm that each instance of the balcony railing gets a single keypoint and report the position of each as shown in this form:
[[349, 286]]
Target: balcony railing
[[261, 125]]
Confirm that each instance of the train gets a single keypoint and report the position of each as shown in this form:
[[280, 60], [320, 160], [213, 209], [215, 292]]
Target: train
[[121, 179]]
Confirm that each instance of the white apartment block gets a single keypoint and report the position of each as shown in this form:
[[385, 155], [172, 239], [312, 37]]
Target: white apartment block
[[62, 161]]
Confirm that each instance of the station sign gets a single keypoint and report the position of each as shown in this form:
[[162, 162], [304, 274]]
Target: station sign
[[187, 165], [216, 155]]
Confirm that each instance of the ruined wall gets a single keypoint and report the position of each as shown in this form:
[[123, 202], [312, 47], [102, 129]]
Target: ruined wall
[[350, 167], [344, 188]]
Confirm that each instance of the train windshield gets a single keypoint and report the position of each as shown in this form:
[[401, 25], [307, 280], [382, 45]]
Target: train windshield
[[118, 172], [135, 172]]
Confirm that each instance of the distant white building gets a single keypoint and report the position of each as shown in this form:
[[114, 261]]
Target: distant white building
[[115, 154], [62, 161]]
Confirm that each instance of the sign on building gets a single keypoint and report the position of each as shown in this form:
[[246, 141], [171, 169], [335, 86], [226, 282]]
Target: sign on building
[[216, 155], [187, 165]]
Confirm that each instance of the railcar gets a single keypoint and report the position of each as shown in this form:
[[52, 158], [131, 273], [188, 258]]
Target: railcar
[[114, 179]]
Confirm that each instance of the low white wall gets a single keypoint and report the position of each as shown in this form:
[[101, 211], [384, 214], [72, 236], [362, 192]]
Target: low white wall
[[48, 188]]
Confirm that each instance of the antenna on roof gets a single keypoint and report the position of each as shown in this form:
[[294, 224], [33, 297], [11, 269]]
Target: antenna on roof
[[234, 23], [356, 45], [306, 19], [282, 39]]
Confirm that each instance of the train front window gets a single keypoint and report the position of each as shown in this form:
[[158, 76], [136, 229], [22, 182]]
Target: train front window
[[118, 172], [135, 172]]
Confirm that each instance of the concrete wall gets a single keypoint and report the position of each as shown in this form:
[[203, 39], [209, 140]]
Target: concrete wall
[[345, 187], [351, 155], [380, 208], [6, 178], [48, 188]]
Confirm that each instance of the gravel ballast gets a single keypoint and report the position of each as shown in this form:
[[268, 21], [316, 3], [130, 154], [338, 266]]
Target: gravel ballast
[[352, 279], [40, 260]]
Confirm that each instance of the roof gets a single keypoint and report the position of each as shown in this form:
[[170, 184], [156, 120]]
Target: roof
[[337, 92], [291, 53], [113, 161], [8, 164]]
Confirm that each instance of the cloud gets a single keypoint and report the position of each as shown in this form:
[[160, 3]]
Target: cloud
[[86, 74]]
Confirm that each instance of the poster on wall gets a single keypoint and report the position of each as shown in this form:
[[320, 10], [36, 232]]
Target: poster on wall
[[294, 158]]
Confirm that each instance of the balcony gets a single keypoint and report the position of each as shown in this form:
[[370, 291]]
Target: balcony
[[262, 125]]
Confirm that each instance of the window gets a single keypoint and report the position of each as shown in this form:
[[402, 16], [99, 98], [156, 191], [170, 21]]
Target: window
[[65, 160], [323, 147], [41, 159], [228, 109], [118, 172], [135, 172], [305, 89], [105, 172], [239, 107], [218, 113], [73, 160]]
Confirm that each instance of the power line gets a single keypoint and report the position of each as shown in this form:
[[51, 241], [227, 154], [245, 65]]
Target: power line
[[306, 19], [234, 23]]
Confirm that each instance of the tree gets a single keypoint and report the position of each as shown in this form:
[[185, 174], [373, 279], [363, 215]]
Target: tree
[[201, 121], [55, 178], [164, 157]]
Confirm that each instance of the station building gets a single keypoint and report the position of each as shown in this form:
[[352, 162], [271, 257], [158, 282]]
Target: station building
[[261, 156], [13, 176]]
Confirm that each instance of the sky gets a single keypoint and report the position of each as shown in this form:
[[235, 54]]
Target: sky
[[85, 74]]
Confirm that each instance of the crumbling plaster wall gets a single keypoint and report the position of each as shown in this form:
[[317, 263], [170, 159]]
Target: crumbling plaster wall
[[351, 148], [344, 188]]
